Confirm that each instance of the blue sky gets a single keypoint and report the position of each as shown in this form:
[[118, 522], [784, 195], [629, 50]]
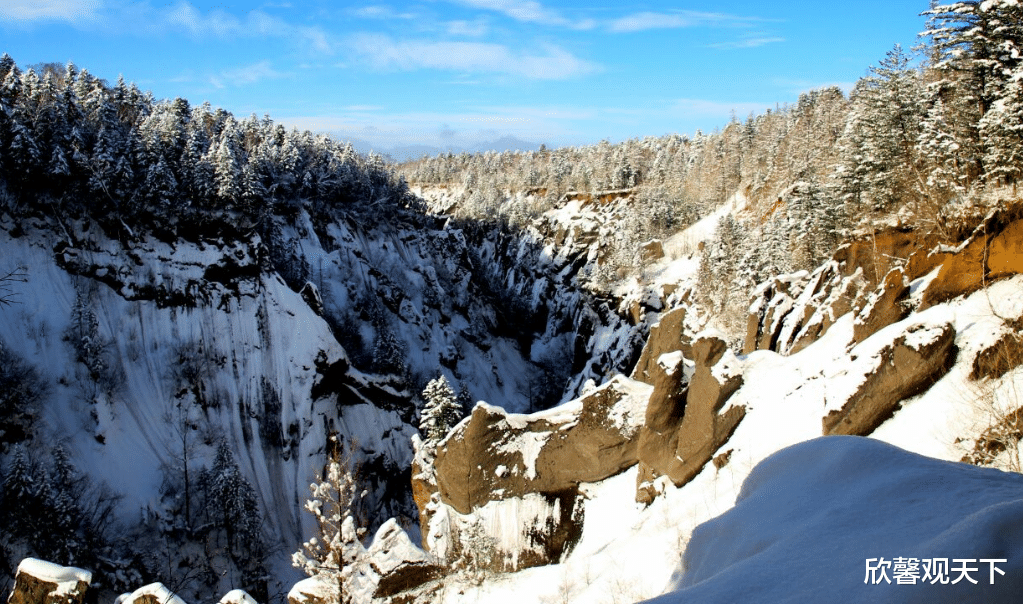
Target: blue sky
[[458, 72]]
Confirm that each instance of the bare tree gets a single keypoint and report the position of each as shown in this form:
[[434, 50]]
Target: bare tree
[[15, 275], [331, 553]]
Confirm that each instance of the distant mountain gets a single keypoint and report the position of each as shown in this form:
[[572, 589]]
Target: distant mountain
[[409, 152]]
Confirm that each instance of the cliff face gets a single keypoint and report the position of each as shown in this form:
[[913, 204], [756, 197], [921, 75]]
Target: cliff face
[[157, 350]]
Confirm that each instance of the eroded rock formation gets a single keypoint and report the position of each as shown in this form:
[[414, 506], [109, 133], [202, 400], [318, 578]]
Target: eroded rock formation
[[902, 369], [684, 424]]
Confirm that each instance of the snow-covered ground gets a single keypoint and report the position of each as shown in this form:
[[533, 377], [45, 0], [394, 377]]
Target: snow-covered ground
[[800, 526]]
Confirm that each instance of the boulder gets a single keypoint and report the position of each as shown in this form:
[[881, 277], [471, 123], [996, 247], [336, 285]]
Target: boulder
[[902, 369], [40, 582], [684, 425], [1003, 356], [651, 250], [494, 455], [400, 565], [154, 593], [312, 590]]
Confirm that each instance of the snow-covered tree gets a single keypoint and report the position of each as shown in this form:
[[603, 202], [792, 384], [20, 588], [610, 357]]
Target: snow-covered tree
[[388, 355], [331, 552], [233, 505], [441, 411], [883, 133]]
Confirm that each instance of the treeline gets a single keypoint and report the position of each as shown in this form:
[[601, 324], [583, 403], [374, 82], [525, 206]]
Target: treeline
[[921, 139], [70, 144], [927, 141]]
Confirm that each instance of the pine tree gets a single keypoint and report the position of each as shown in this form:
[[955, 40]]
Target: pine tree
[[388, 356], [232, 501], [20, 498], [441, 411], [66, 523], [884, 131]]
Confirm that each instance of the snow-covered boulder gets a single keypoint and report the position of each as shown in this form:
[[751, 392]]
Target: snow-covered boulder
[[40, 582], [904, 368], [400, 565], [154, 593], [237, 596], [850, 519], [312, 590], [651, 251]]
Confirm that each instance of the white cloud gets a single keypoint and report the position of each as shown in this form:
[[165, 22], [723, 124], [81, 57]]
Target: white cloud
[[752, 42], [249, 74], [529, 12], [471, 29], [73, 11], [466, 129], [644, 21], [380, 12], [220, 24], [383, 52]]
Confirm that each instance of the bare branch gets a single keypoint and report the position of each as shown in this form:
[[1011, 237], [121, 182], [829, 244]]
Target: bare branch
[[16, 275]]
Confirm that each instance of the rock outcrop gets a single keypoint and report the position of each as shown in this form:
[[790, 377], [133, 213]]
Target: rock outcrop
[[400, 565], [494, 455], [40, 582], [902, 369], [666, 336], [684, 424], [994, 251], [870, 276], [495, 468]]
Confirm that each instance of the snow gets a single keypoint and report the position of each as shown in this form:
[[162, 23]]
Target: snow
[[392, 548], [156, 590], [809, 518], [834, 506], [66, 577], [237, 596], [310, 589]]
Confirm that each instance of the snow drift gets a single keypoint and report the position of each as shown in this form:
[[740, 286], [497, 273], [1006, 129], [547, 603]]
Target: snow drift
[[849, 519]]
